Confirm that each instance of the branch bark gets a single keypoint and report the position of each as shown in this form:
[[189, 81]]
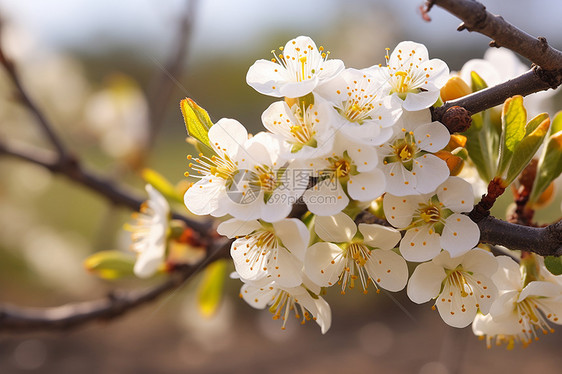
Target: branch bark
[[72, 169], [64, 317], [545, 241], [503, 34]]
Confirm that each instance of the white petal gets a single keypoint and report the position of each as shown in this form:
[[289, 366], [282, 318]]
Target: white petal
[[459, 235], [480, 261], [539, 288], [439, 73], [319, 309], [204, 197], [324, 263], [294, 235], [257, 297], [432, 137], [399, 210], [425, 282], [266, 77], [235, 227], [298, 89], [339, 228], [421, 100], [326, 197], [249, 260], [456, 194], [399, 181], [402, 53], [149, 261], [364, 156], [285, 269], [387, 269], [278, 117], [418, 244], [552, 309], [378, 236], [456, 311], [227, 136], [508, 275], [485, 291], [366, 186], [430, 172], [330, 69]]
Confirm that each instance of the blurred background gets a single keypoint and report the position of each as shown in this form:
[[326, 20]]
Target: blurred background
[[109, 75]]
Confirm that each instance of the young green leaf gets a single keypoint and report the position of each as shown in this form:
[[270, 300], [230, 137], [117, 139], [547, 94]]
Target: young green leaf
[[477, 82], [197, 121], [211, 287], [526, 149], [550, 166], [553, 264], [110, 264], [514, 118], [556, 123]]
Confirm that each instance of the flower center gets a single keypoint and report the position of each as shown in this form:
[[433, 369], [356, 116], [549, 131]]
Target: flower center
[[402, 85], [218, 166], [532, 320], [265, 179], [356, 256], [341, 167], [283, 304]]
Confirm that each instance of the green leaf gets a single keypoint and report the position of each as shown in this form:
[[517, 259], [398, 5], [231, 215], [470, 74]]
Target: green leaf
[[549, 167], [535, 122], [478, 143], [556, 123], [527, 148], [477, 82], [197, 121], [211, 287], [514, 118], [553, 264], [110, 264], [161, 184]]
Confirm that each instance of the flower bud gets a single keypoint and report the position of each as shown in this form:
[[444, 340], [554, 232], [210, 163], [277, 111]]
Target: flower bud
[[454, 88]]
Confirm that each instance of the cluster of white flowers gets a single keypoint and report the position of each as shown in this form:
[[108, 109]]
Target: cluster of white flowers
[[341, 141]]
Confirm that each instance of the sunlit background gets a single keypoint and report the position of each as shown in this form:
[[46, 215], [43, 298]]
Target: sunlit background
[[96, 68]]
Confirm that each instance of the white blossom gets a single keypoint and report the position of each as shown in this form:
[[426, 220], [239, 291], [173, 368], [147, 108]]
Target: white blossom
[[149, 233], [412, 76], [295, 72], [434, 221], [345, 256], [461, 286]]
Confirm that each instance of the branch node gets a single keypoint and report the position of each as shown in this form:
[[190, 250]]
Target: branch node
[[456, 119], [544, 43], [493, 44]]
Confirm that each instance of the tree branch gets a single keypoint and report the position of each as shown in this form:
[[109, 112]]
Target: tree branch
[[476, 18], [72, 169], [21, 319], [545, 241], [532, 81], [26, 100]]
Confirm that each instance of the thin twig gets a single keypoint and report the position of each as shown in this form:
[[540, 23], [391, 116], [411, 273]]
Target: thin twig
[[476, 18], [22, 319], [72, 169]]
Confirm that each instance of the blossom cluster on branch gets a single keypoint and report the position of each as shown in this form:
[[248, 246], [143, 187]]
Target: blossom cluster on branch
[[347, 140]]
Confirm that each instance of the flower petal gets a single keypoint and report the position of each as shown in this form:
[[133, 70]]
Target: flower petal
[[456, 310], [425, 282], [432, 137], [257, 297], [285, 268], [326, 198], [235, 227], [204, 197], [339, 228], [430, 172], [227, 136], [459, 235], [387, 269], [266, 77], [420, 244], [456, 194], [378, 236], [399, 210], [366, 186], [324, 263], [294, 235]]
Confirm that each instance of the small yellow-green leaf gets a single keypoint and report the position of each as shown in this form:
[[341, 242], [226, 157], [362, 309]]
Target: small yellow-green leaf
[[110, 264], [534, 123], [549, 167], [526, 149], [161, 184], [211, 287], [556, 123], [553, 264], [514, 118], [197, 121], [477, 82]]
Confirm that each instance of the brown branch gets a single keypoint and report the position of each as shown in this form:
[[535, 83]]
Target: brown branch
[[21, 319], [25, 99], [476, 18], [73, 170], [545, 241], [534, 80]]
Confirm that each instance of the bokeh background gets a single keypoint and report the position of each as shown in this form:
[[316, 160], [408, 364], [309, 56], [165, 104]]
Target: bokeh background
[[97, 69]]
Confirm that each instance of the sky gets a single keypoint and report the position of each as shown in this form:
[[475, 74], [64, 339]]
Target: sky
[[225, 25]]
